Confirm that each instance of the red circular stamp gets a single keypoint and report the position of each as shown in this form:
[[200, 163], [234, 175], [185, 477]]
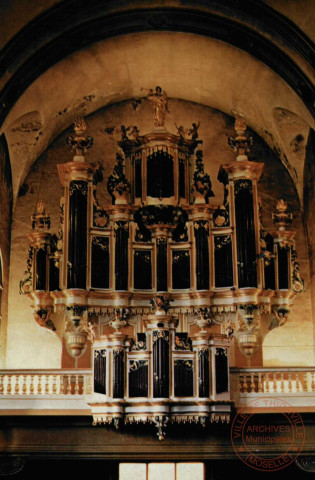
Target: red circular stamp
[[268, 434]]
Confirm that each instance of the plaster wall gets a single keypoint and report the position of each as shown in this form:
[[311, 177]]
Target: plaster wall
[[30, 346], [5, 230], [188, 66]]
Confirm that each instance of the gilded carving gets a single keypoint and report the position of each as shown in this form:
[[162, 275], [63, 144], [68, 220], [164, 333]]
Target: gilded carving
[[297, 282], [117, 184], [164, 334], [40, 219], [160, 305], [101, 242], [242, 185], [134, 365], [187, 364], [221, 241], [203, 318], [280, 318], [80, 143], [201, 185], [240, 143], [42, 318], [182, 342], [140, 344], [26, 282], [121, 318], [100, 217], [221, 216], [78, 186], [160, 103]]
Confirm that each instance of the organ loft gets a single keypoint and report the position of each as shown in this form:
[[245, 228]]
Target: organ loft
[[162, 282]]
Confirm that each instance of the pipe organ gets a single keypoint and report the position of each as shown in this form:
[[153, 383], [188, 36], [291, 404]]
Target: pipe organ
[[161, 280]]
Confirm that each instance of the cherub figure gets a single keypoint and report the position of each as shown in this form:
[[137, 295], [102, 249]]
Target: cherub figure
[[193, 131], [42, 317], [181, 131], [133, 133], [91, 331], [279, 319]]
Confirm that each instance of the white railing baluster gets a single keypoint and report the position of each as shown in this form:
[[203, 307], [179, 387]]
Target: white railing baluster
[[21, 383]]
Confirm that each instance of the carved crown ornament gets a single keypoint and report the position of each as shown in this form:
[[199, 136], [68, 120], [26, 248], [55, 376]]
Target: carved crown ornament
[[159, 282]]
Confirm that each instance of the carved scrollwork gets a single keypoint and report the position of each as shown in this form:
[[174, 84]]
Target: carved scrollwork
[[297, 282], [121, 224], [100, 353], [201, 185], [26, 282], [179, 254], [11, 465], [161, 422], [100, 217], [306, 463], [221, 240], [136, 364], [221, 217], [101, 242], [203, 352], [118, 351], [201, 224], [243, 184], [186, 364], [182, 342], [78, 185], [142, 234], [117, 184], [140, 344], [160, 215], [221, 351], [160, 334]]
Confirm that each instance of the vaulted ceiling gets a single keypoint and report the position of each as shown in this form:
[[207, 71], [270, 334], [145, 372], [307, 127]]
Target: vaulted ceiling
[[65, 58]]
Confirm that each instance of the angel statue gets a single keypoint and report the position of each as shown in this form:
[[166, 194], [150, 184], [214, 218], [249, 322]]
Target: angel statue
[[160, 102]]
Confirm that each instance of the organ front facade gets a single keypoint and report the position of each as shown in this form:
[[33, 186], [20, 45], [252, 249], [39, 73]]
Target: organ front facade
[[163, 280]]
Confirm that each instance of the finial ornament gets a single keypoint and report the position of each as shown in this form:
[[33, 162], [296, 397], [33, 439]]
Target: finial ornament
[[283, 219], [76, 330], [247, 333], [40, 220], [240, 143], [80, 143]]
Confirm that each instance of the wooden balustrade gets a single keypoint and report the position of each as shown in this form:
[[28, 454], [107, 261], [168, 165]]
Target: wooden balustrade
[[296, 385], [45, 382], [276, 381]]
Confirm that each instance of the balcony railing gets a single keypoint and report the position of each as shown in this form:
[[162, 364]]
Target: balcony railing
[[42, 390], [37, 391], [294, 385]]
